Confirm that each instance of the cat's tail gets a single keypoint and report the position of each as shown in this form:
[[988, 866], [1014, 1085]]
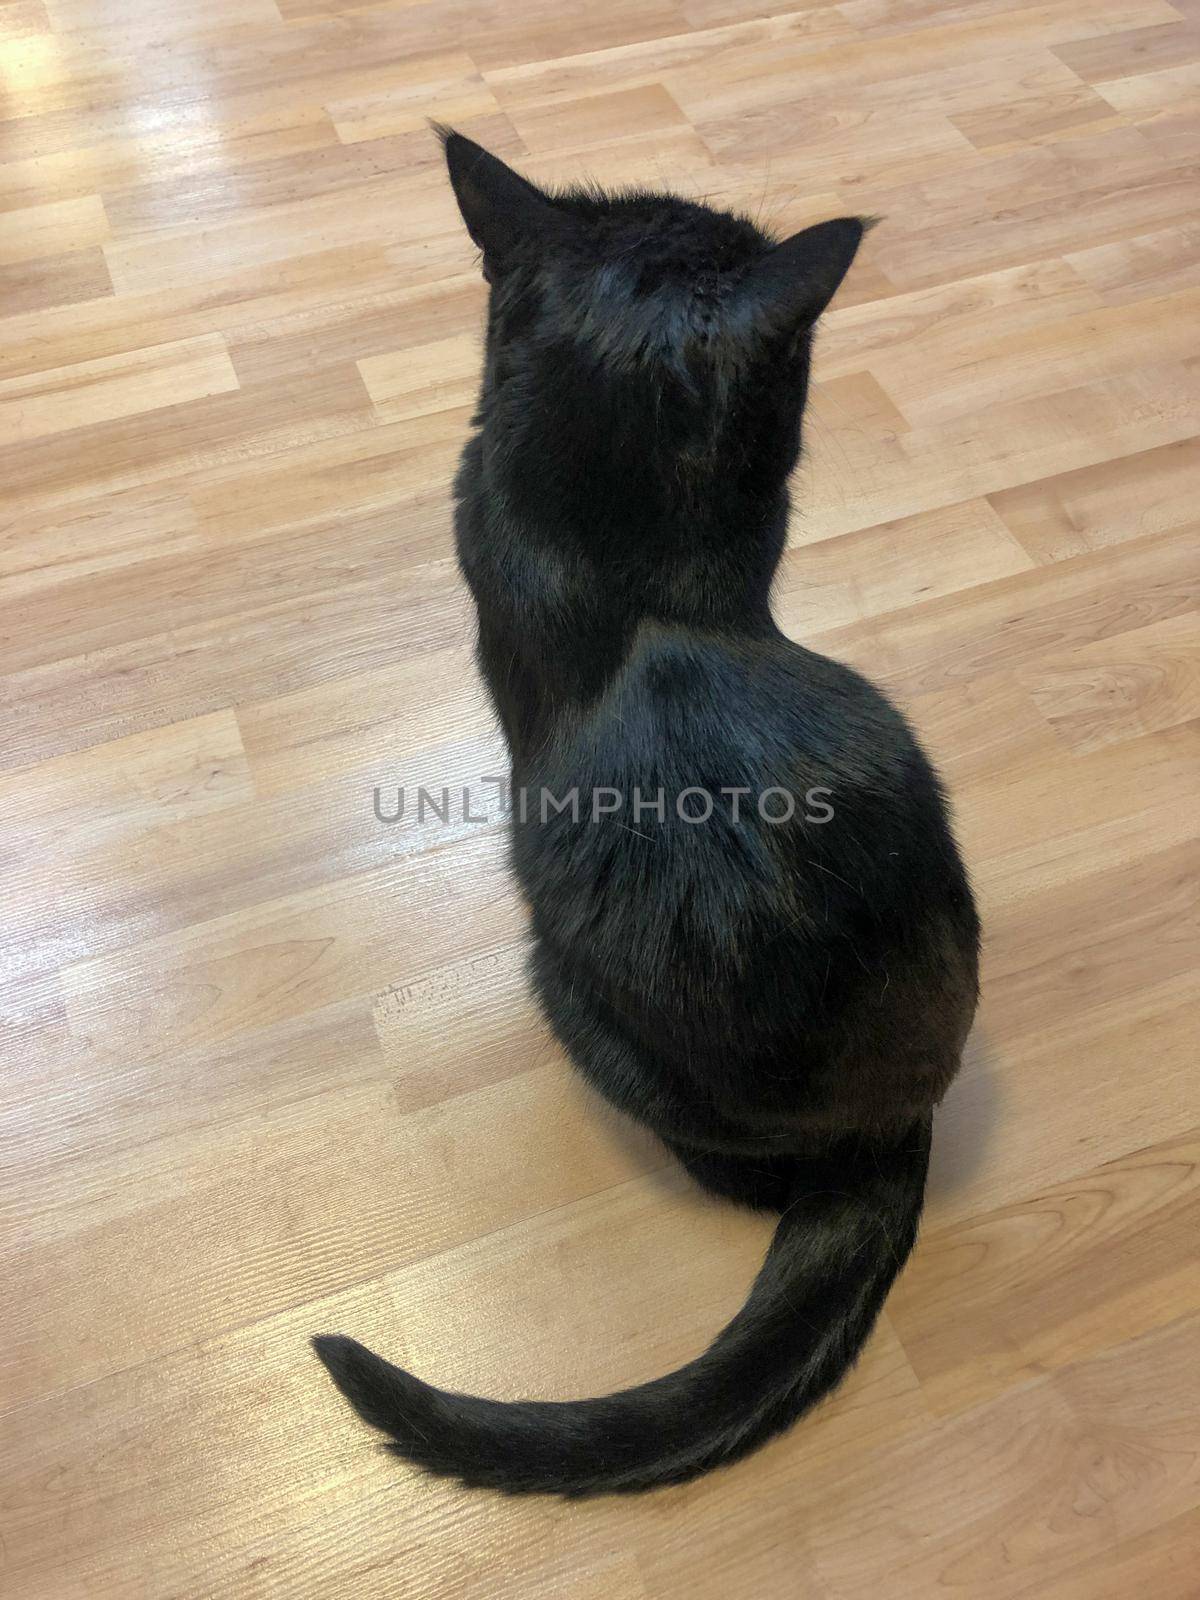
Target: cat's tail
[[843, 1238]]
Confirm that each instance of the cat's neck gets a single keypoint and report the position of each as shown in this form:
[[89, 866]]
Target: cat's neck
[[702, 567], [561, 607]]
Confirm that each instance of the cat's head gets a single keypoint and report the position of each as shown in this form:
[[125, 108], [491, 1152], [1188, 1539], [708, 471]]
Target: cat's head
[[647, 344]]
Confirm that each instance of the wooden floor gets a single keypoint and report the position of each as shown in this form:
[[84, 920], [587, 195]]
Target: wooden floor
[[269, 1063]]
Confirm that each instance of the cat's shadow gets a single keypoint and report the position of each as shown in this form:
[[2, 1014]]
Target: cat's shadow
[[638, 1151], [963, 1123]]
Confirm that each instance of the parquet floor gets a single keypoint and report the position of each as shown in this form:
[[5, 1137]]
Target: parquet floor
[[269, 1064]]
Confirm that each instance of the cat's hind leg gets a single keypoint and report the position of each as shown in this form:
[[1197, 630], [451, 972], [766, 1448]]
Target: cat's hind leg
[[633, 1081], [764, 1183]]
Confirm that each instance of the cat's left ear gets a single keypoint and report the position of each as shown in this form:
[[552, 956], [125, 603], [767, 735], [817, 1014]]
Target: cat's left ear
[[790, 286], [500, 207]]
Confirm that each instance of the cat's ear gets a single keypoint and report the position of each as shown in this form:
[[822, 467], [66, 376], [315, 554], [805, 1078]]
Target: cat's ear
[[790, 286], [499, 207]]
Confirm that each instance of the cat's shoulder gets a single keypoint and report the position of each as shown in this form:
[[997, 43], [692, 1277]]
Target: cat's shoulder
[[759, 702], [690, 669]]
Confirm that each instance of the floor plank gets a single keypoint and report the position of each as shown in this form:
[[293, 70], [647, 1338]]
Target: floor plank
[[271, 1061]]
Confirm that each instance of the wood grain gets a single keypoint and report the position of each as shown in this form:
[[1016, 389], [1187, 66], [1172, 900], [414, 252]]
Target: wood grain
[[271, 1062]]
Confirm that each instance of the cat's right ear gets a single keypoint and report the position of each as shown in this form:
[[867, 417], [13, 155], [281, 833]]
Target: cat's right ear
[[499, 207], [789, 287]]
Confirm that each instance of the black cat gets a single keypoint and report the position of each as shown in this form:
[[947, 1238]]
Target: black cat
[[782, 996]]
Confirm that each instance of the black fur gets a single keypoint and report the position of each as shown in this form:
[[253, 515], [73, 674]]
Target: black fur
[[782, 1004]]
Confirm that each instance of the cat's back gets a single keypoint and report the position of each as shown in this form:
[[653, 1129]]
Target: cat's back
[[736, 829], [713, 772], [690, 706]]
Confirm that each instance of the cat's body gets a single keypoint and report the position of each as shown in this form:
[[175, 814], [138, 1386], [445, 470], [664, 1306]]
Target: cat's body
[[782, 1002]]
